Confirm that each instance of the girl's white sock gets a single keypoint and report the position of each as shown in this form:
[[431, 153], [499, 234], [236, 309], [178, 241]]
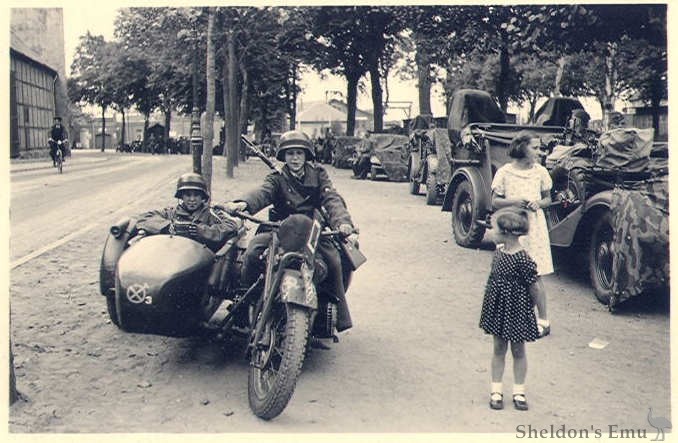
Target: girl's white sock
[[519, 389], [497, 387]]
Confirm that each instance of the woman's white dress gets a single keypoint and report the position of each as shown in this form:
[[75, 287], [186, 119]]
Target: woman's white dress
[[528, 184]]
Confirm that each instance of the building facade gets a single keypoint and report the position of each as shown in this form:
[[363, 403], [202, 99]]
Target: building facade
[[37, 78]]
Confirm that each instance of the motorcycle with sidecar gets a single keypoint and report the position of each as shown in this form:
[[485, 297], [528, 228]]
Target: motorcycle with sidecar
[[174, 286]]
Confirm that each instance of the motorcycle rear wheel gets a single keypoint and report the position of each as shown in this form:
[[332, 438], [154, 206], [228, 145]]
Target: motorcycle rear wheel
[[270, 387]]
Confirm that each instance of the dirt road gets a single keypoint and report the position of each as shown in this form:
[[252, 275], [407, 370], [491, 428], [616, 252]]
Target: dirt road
[[415, 361]]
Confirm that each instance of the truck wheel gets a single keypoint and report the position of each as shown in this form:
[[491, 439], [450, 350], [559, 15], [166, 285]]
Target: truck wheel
[[431, 190], [465, 212], [600, 257]]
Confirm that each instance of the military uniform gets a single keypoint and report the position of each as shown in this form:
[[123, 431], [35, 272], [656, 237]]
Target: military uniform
[[292, 195], [210, 230]]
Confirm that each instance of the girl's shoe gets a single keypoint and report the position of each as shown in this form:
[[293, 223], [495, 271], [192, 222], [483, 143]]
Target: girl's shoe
[[543, 328], [497, 400], [520, 402]]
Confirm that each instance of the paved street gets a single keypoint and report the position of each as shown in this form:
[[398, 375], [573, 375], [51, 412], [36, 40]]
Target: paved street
[[415, 361]]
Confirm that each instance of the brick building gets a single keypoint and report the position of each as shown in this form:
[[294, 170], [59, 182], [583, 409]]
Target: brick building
[[37, 78]]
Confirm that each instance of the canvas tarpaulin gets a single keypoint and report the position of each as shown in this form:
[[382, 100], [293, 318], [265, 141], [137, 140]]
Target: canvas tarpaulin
[[640, 219], [392, 152]]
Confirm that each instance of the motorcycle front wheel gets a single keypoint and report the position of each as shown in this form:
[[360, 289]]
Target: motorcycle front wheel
[[275, 368]]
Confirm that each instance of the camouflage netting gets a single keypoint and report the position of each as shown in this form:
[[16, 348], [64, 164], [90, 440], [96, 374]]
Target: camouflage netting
[[641, 238], [392, 152], [443, 147], [344, 147]]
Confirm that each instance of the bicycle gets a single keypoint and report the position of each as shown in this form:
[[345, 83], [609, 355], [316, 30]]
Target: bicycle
[[59, 155]]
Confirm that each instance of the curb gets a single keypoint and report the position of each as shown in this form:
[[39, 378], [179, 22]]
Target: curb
[[18, 169]]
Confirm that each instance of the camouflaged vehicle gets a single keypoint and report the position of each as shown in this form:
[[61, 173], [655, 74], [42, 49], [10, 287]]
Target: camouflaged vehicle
[[618, 216]]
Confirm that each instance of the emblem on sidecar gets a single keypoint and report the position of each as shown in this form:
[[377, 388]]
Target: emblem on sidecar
[[136, 293]]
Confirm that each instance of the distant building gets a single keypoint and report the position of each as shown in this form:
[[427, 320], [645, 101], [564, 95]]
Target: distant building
[[315, 117], [37, 78], [639, 115]]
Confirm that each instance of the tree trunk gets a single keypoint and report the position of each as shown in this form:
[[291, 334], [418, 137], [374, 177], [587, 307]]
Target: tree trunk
[[424, 85], [351, 103], [122, 142], [559, 76], [195, 153], [533, 106], [208, 130], [610, 81], [103, 128], [146, 124], [232, 122], [165, 134], [502, 87], [243, 113], [377, 98], [292, 97]]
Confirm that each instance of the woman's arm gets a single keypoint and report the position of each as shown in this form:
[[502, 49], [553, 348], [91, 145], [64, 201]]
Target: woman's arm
[[499, 201]]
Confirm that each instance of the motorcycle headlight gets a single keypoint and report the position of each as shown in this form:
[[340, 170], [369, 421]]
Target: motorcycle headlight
[[375, 160]]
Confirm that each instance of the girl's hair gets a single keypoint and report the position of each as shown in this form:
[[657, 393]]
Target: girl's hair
[[520, 142], [512, 221]]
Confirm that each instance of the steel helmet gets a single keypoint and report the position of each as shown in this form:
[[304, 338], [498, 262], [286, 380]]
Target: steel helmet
[[191, 180], [297, 140]]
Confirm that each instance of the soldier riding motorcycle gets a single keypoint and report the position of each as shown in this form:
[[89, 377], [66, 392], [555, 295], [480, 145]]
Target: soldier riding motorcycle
[[303, 270]]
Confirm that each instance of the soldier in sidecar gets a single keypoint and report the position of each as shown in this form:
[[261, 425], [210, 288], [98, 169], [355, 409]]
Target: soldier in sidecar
[[168, 271]]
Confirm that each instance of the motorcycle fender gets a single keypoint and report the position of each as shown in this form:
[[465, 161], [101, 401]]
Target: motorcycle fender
[[297, 289], [481, 188]]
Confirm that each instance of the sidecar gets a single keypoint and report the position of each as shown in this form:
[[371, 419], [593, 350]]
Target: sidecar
[[166, 284]]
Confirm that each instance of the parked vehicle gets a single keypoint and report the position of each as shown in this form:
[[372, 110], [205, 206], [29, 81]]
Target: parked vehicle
[[389, 156], [480, 144], [429, 163], [342, 148], [620, 220], [590, 195]]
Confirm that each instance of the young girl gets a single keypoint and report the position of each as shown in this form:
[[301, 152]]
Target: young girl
[[508, 312], [526, 184]]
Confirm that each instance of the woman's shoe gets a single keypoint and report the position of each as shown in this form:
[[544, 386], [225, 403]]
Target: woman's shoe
[[520, 402], [497, 400]]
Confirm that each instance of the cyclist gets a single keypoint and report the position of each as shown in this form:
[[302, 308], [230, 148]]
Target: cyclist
[[57, 133]]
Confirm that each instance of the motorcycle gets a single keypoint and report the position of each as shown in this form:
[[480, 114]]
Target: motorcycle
[[294, 309], [60, 152], [195, 290]]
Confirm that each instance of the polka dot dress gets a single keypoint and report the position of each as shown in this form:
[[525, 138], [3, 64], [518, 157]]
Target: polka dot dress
[[507, 308]]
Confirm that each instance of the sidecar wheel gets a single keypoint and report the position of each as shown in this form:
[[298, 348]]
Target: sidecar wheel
[[270, 387]]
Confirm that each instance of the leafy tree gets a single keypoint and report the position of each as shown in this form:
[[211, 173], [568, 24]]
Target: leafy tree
[[91, 79], [334, 36]]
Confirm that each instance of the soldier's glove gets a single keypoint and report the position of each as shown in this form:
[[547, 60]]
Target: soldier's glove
[[233, 207], [346, 229]]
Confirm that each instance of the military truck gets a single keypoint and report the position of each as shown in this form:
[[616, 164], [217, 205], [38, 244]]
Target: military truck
[[596, 186]]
